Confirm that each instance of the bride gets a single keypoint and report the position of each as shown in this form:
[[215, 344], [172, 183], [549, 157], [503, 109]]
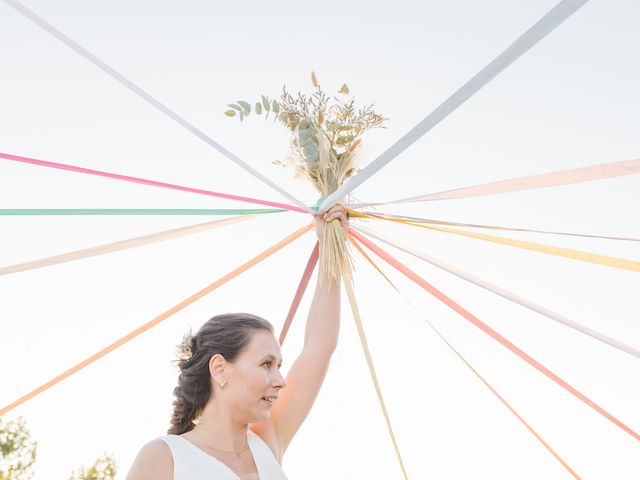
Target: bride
[[233, 418]]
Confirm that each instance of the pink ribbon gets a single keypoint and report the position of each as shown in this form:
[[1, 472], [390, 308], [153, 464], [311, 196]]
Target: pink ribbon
[[143, 181]]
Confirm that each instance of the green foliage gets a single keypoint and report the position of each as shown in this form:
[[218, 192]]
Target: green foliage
[[326, 130], [18, 455], [17, 449], [103, 469]]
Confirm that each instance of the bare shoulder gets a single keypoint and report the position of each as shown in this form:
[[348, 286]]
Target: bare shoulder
[[154, 462], [266, 431]]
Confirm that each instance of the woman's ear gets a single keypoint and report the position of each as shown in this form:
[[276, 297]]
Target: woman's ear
[[217, 365]]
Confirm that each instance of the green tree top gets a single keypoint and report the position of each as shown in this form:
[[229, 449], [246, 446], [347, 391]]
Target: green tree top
[[103, 469], [18, 451]]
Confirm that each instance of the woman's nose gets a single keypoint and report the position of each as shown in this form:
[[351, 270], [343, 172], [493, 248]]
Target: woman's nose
[[279, 381]]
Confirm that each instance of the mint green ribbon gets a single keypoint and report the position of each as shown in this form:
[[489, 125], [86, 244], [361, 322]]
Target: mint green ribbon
[[316, 207], [137, 211]]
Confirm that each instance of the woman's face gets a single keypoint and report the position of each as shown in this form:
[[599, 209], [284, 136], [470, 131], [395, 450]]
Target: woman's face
[[254, 380]]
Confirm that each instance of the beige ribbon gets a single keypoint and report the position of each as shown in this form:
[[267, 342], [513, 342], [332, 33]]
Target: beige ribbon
[[348, 284], [122, 245]]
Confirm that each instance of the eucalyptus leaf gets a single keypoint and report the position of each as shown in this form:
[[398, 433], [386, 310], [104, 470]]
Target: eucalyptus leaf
[[344, 89], [258, 108], [245, 106], [235, 107], [265, 103], [230, 113], [275, 107]]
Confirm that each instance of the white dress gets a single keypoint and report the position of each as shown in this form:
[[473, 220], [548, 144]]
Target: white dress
[[192, 463]]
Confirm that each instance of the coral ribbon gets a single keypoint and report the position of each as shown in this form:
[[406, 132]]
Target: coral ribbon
[[504, 293], [464, 360], [302, 287], [492, 333]]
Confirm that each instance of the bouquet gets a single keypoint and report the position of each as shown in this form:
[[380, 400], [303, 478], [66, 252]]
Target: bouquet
[[326, 134]]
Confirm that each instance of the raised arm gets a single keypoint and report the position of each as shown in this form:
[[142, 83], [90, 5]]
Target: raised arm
[[308, 371]]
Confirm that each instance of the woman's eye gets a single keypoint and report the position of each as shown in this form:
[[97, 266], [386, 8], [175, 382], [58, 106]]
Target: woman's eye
[[268, 364]]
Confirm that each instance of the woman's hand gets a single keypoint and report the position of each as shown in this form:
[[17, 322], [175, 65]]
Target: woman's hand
[[338, 212]]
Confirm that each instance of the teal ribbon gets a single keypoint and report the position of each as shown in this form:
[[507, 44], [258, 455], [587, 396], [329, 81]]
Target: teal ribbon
[[316, 207], [137, 211]]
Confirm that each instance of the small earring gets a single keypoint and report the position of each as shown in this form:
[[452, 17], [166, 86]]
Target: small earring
[[222, 383]]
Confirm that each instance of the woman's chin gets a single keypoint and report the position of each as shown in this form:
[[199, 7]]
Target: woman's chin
[[261, 416]]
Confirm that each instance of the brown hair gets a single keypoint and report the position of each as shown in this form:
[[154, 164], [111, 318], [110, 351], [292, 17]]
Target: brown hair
[[228, 334]]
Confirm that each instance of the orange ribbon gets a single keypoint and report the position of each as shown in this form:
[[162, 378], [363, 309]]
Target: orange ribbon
[[152, 323]]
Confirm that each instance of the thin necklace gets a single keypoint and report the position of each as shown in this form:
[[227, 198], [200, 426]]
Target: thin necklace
[[235, 452]]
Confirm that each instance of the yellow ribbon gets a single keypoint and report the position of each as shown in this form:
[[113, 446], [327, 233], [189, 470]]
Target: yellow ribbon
[[614, 262]]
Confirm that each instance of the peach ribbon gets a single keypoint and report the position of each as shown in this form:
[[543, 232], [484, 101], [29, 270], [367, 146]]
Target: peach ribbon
[[543, 180]]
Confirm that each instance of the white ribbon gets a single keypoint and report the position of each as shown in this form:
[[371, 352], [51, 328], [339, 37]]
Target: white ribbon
[[501, 291], [144, 95], [544, 26]]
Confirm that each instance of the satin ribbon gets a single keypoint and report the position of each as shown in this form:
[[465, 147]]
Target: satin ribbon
[[302, 287], [354, 213], [160, 318], [121, 245], [145, 96], [504, 293], [607, 261], [348, 284], [355, 243], [492, 333], [134, 211], [143, 181], [543, 180], [528, 39]]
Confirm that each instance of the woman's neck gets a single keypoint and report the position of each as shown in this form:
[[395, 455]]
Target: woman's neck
[[217, 428]]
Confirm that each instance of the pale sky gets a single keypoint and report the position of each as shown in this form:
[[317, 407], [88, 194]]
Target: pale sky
[[571, 101]]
